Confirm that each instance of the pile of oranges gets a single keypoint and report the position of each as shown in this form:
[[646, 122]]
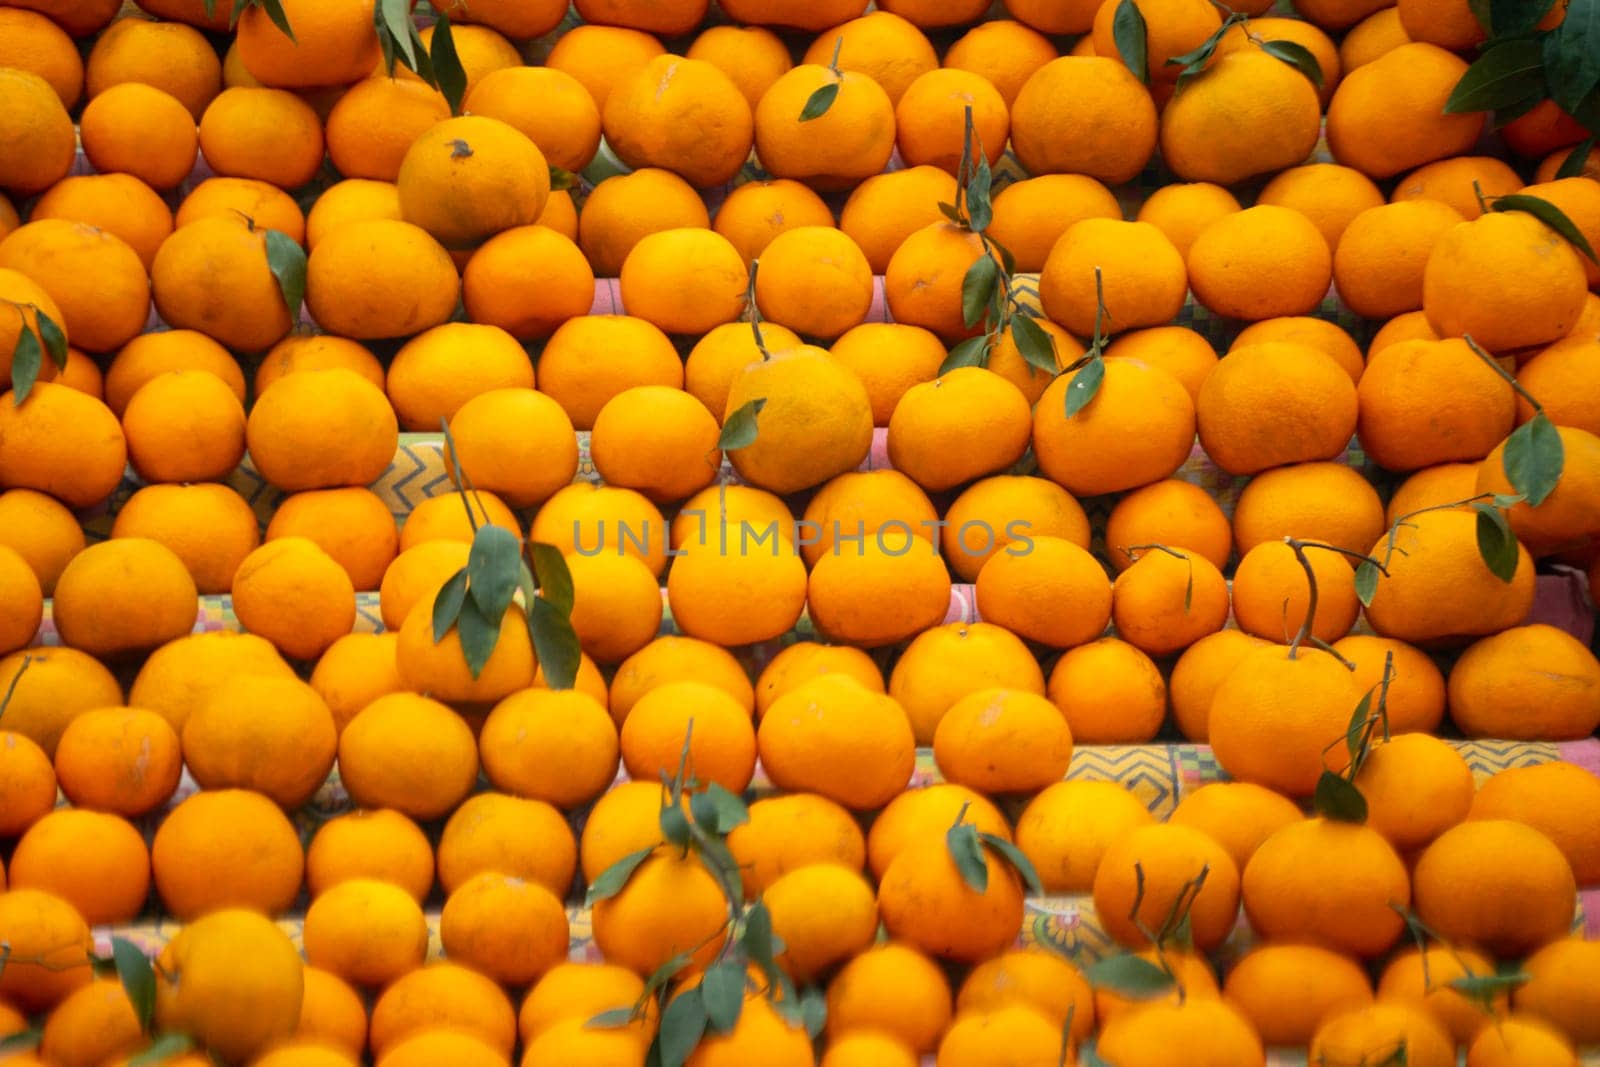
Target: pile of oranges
[[857, 317]]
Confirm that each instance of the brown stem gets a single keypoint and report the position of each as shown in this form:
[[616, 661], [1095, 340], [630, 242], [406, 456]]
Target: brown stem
[[1509, 378], [15, 679], [755, 312], [1311, 600], [1383, 691], [1350, 554]]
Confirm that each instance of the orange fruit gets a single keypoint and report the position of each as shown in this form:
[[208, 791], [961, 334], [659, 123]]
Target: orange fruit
[[633, 929], [1318, 501], [626, 819], [296, 595], [576, 992], [850, 141], [528, 281], [410, 753], [24, 302], [760, 1031], [226, 848], [351, 200], [440, 669], [893, 988], [684, 115], [1361, 1033], [1387, 116], [269, 207], [1050, 138], [1497, 884], [119, 204], [718, 357], [930, 119], [814, 280], [824, 913], [523, 728], [1416, 686], [598, 56], [1201, 1027], [124, 595], [1003, 741], [617, 609], [1452, 182], [1032, 977], [1559, 378], [1287, 990], [1182, 210], [883, 45], [181, 675], [1312, 401], [1198, 672], [60, 255], [590, 519], [1327, 337], [333, 44], [685, 281], [1166, 860], [446, 518], [570, 371], [722, 747], [354, 526], [443, 995], [123, 760], [1333, 883], [1055, 593], [1529, 681], [522, 838], [1546, 127], [884, 505], [566, 124], [1560, 989], [444, 1046], [502, 463], [934, 439], [1271, 593], [184, 426], [923, 281], [816, 422], [804, 661], [480, 49], [1006, 52], [830, 723], [152, 354], [761, 564], [878, 592], [889, 358], [924, 813], [1377, 33], [945, 663], [41, 47], [752, 57], [1416, 787], [1253, 738], [1566, 518], [273, 735], [376, 120], [1032, 214], [468, 178], [1539, 796], [1438, 589], [30, 793], [1132, 265], [50, 946], [1127, 701], [438, 371], [95, 1024], [1248, 113], [379, 844], [380, 278], [210, 256], [1268, 27], [95, 861], [24, 601], [868, 1048], [1328, 194], [233, 980], [368, 933], [886, 208], [1229, 262], [1173, 512], [1239, 816], [1379, 262], [1172, 28], [290, 430], [925, 902], [1520, 1040], [37, 134], [624, 209], [270, 135], [1138, 429], [1167, 600], [1403, 425], [1180, 351], [769, 845], [756, 212]]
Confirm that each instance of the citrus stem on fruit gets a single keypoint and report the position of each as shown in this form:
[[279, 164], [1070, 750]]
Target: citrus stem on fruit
[[11, 691], [1510, 379], [754, 311], [1311, 598]]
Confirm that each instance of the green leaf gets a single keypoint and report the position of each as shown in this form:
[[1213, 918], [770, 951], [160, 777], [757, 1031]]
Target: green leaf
[[396, 30], [973, 352], [1572, 55], [1506, 114], [555, 643], [478, 633], [162, 1049], [977, 289], [1496, 543], [683, 1024], [1195, 62], [610, 1020], [615, 877], [720, 861], [757, 938], [1366, 582], [1577, 159], [275, 12], [1355, 734], [1038, 348], [1088, 1057], [980, 211], [138, 979], [1507, 72], [1533, 459], [55, 340], [21, 1041], [1131, 976], [739, 429], [1017, 859], [724, 808], [1337, 798], [674, 825], [818, 103], [962, 842], [555, 580], [1547, 213], [447, 604], [813, 1011], [27, 359], [287, 261], [722, 990], [951, 212], [1511, 17], [1297, 56], [1084, 385], [447, 70], [493, 566], [1129, 32], [1485, 989]]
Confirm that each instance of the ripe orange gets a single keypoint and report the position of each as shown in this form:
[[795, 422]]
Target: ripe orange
[[376, 120], [1254, 737], [1333, 883], [380, 278], [930, 119], [1006, 52], [119, 204], [1319, 501], [684, 115], [1271, 593], [443, 994], [1198, 672], [1275, 403], [24, 601], [928, 812], [466, 179], [1171, 858], [935, 439], [1328, 194], [93, 1025], [1520, 1039], [887, 208], [231, 979], [1110, 692], [788, 832], [380, 843], [1497, 884], [814, 280], [1561, 988], [1032, 214], [852, 140], [273, 735], [722, 745], [1247, 114], [923, 281], [333, 44], [62, 256], [295, 595], [1131, 264], [816, 423], [1375, 1031], [1540, 796], [1566, 519], [670, 905], [1439, 590], [368, 933], [1239, 816], [124, 595], [1138, 429], [1416, 787], [1167, 600], [824, 913], [894, 988], [226, 848], [751, 56], [1180, 351], [270, 135], [1173, 512], [123, 760], [525, 727], [1387, 115], [410, 753], [1288, 990], [925, 902], [1050, 137], [95, 861], [37, 134], [1054, 593], [884, 45], [839, 739], [1527, 681], [268, 206], [182, 674], [1237, 274], [945, 663]]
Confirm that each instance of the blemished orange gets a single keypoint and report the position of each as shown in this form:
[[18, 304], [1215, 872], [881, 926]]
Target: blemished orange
[[1416, 697], [224, 848], [1326, 501], [839, 739], [123, 760], [1544, 796], [1126, 701], [894, 988], [1181, 210], [62, 257], [1247, 114], [1275, 403], [851, 141], [945, 663], [268, 206], [1288, 990], [1333, 883], [1131, 265], [684, 115], [1005, 52], [1387, 116], [120, 204], [887, 208], [1174, 513], [272, 735], [124, 595], [377, 843], [1236, 275], [1055, 593], [1049, 137], [380, 278], [1168, 599], [468, 178], [375, 121], [1003, 741], [443, 994], [923, 282], [752, 57], [925, 902], [367, 932], [410, 753], [1143, 874], [1257, 742], [40, 144], [1495, 883], [528, 280], [1528, 681], [1239, 816], [882, 44], [1138, 429], [1271, 592], [787, 832], [928, 811], [1328, 194], [1198, 672], [1416, 787], [824, 913], [722, 747]]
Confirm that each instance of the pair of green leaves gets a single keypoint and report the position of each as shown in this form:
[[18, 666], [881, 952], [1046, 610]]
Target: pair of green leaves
[[439, 66], [27, 359], [1131, 35], [967, 844], [273, 9]]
